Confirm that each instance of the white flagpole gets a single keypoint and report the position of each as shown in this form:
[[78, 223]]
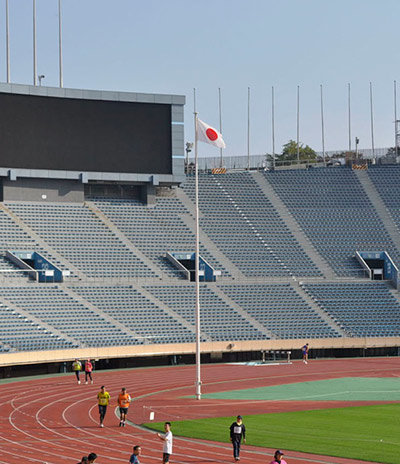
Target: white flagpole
[[372, 120], [198, 352], [221, 163], [395, 117], [322, 126], [8, 43], [248, 128], [349, 113], [298, 125], [273, 126], [60, 44], [34, 44], [197, 247]]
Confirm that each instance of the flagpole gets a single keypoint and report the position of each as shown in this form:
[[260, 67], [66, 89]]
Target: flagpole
[[273, 126], [220, 124], [298, 125], [395, 117], [372, 120], [322, 125], [248, 128], [60, 60], [8, 43], [197, 252], [34, 44], [349, 113]]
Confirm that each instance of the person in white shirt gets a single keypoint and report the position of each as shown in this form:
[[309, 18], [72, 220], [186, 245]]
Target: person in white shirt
[[167, 439]]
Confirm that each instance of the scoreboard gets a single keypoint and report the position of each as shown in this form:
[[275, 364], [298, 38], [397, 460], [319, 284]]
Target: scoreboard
[[106, 134]]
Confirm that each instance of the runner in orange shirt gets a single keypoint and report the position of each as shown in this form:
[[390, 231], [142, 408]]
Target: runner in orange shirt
[[124, 400]]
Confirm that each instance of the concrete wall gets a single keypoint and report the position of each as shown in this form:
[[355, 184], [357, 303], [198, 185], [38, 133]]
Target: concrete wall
[[35, 357], [43, 190]]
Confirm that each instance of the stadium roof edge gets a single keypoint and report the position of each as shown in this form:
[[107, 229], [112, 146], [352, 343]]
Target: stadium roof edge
[[107, 95]]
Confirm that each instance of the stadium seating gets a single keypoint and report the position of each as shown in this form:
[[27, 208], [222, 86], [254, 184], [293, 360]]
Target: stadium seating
[[363, 309], [82, 239], [129, 307], [20, 333], [54, 307], [155, 230], [387, 182], [243, 223], [13, 238], [125, 292], [280, 309], [218, 320], [333, 210]]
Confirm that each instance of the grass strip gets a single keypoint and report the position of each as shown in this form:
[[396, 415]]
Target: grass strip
[[370, 433]]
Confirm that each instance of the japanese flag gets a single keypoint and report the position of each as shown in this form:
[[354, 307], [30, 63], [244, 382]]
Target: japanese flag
[[208, 134]]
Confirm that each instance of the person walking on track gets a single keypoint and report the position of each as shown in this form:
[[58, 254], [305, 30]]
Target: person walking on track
[[77, 367], [237, 432], [304, 350], [103, 398], [167, 439], [124, 400], [134, 459], [88, 371], [278, 458]]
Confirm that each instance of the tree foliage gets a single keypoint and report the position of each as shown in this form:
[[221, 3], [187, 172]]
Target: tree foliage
[[289, 152]]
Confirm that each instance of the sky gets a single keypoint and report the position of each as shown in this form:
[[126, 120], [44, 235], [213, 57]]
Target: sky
[[174, 46]]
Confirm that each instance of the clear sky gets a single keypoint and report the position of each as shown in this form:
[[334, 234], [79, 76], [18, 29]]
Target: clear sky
[[172, 46]]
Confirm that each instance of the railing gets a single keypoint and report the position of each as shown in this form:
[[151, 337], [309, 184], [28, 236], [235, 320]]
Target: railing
[[263, 161]]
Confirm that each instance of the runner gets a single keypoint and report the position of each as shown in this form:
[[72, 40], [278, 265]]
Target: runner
[[134, 457], [304, 350], [88, 371], [167, 439], [123, 401], [91, 458], [103, 398], [77, 367], [278, 458]]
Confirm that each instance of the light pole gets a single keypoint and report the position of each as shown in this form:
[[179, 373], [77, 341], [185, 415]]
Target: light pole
[[397, 137], [42, 76], [188, 149]]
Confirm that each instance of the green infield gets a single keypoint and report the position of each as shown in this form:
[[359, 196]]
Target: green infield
[[343, 389], [370, 433]]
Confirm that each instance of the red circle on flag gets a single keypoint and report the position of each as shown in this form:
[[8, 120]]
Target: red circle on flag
[[211, 134]]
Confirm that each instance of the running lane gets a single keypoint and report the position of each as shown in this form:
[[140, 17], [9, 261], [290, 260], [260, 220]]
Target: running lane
[[48, 420]]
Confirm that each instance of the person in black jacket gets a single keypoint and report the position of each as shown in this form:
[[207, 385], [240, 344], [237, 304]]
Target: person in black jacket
[[238, 431]]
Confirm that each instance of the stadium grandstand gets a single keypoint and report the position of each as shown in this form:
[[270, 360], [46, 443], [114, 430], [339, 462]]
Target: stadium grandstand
[[98, 233]]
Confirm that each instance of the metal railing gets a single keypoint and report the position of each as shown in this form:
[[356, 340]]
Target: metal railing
[[262, 161]]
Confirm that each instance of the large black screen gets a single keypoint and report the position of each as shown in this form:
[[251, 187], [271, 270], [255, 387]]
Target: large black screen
[[84, 135]]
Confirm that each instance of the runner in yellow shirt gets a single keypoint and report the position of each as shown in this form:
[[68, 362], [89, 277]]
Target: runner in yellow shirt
[[124, 400], [77, 367], [103, 398]]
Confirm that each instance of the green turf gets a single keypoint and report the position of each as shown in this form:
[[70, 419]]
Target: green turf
[[343, 389], [370, 433]]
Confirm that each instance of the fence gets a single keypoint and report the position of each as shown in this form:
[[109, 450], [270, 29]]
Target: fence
[[260, 161]]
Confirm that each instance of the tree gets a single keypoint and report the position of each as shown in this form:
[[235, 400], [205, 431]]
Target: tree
[[393, 151], [289, 152]]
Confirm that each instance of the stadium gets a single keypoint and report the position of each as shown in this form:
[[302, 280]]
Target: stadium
[[97, 261]]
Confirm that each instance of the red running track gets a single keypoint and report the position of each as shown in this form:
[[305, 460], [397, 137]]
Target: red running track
[[52, 420]]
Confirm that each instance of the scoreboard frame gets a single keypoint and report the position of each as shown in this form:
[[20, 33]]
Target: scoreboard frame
[[176, 121]]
